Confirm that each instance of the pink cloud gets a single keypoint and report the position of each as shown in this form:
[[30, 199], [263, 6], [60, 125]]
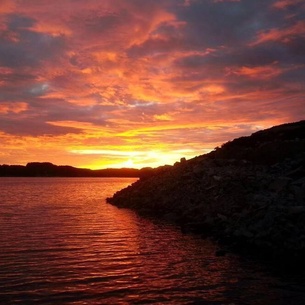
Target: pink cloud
[[258, 72], [18, 107], [284, 35], [283, 4]]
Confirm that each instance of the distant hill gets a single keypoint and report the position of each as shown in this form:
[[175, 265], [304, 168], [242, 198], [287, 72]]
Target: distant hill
[[46, 169], [249, 193]]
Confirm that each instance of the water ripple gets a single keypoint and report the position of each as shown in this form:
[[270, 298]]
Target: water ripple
[[62, 244]]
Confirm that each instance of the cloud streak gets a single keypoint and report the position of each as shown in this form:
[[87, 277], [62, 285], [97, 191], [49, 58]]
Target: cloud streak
[[161, 79]]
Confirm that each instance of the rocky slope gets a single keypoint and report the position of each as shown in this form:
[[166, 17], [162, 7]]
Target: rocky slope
[[249, 193]]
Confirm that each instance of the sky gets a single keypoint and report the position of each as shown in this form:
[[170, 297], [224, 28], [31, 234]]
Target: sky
[[136, 83]]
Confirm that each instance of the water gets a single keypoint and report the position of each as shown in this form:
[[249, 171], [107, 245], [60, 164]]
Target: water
[[61, 243]]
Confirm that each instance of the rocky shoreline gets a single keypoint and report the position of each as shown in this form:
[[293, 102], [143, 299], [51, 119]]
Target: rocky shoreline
[[248, 194]]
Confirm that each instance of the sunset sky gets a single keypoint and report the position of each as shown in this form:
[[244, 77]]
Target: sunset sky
[[134, 83]]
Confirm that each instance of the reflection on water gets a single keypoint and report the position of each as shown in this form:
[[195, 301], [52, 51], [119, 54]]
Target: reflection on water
[[62, 244]]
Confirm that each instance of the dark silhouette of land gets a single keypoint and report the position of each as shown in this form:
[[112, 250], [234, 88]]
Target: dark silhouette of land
[[249, 193], [46, 169]]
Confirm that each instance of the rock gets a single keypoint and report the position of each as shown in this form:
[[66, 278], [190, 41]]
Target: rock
[[296, 209], [198, 170], [300, 182], [299, 194], [220, 252], [297, 173], [246, 233], [279, 184], [222, 217]]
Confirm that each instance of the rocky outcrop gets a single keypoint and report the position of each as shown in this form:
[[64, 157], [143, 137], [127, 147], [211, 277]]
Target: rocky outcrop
[[239, 193]]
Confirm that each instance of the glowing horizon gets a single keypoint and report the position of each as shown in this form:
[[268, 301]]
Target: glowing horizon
[[132, 83]]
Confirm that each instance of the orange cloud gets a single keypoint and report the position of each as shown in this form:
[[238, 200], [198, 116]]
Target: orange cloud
[[13, 107], [261, 72], [163, 117], [284, 35], [7, 6]]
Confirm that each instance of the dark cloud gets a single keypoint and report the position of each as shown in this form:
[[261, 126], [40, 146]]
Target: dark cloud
[[211, 24], [100, 24], [34, 120], [32, 126], [230, 28], [217, 42], [155, 46], [19, 22], [17, 78], [22, 47], [296, 50], [296, 76]]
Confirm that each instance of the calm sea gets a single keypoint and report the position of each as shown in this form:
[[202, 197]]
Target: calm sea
[[61, 243]]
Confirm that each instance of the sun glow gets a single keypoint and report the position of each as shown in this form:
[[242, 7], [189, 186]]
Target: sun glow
[[133, 159], [129, 163]]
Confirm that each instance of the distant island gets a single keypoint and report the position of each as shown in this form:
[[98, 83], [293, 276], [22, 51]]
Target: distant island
[[47, 169], [248, 194]]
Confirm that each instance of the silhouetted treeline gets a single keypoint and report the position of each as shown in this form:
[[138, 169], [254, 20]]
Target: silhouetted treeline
[[46, 169]]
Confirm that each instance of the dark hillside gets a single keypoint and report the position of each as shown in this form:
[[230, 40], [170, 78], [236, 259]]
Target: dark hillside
[[249, 193], [266, 146]]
